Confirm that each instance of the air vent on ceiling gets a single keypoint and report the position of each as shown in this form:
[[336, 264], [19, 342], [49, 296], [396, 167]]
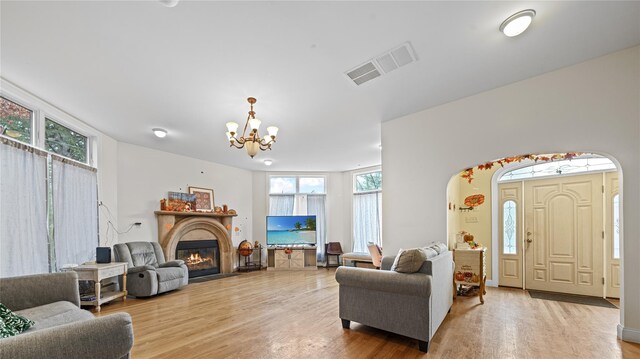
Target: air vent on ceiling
[[383, 64]]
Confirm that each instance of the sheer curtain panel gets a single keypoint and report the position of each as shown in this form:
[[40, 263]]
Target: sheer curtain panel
[[280, 205], [367, 219], [75, 208], [316, 206], [24, 241]]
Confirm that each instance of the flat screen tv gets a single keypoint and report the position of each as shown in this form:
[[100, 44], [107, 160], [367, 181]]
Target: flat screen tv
[[287, 230]]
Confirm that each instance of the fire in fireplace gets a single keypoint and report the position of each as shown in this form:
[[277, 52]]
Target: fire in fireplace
[[201, 257]]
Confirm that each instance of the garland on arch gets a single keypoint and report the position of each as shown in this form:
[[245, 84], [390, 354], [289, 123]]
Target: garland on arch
[[468, 173]]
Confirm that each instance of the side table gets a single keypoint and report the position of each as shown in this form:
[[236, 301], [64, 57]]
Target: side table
[[470, 270], [99, 271]]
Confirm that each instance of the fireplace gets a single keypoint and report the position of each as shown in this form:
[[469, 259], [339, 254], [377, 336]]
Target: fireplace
[[202, 257]]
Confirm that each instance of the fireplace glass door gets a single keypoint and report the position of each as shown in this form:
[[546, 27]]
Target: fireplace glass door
[[201, 257]]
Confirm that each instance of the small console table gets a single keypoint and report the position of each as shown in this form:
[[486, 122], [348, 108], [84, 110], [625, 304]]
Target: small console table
[[99, 271], [470, 270], [291, 258]]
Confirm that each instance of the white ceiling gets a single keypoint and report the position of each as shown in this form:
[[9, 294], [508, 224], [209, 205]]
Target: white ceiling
[[126, 67]]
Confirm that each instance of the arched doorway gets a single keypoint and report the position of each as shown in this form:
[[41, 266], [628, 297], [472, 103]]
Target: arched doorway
[[596, 266]]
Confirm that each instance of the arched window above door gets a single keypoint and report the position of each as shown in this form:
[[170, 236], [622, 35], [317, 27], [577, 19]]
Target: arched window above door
[[556, 168]]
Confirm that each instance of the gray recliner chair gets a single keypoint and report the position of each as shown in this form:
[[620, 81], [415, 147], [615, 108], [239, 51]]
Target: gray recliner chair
[[148, 274]]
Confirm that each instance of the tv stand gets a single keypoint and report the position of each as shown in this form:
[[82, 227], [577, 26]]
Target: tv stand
[[299, 258]]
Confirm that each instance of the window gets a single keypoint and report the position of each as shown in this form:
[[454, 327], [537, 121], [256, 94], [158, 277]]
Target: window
[[312, 185], [300, 195], [65, 142], [368, 182], [53, 196], [15, 121], [367, 210], [556, 168], [616, 226], [280, 185], [509, 227]]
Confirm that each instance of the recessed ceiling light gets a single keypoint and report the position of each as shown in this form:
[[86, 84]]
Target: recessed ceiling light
[[160, 132], [268, 162], [515, 24]]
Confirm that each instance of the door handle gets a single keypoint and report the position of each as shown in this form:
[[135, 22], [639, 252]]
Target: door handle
[[529, 239]]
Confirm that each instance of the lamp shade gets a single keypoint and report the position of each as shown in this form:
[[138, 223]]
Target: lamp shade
[[252, 147], [273, 131], [254, 123], [232, 127], [229, 136]]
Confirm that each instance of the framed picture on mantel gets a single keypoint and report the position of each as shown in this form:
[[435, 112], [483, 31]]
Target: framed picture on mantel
[[204, 198]]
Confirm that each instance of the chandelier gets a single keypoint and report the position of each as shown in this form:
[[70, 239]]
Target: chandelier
[[251, 141]]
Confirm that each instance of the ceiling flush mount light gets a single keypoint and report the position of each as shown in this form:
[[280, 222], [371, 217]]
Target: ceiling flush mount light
[[515, 24], [169, 3], [251, 141], [268, 162], [160, 132]]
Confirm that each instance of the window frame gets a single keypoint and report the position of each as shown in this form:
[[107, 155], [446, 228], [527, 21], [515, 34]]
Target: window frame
[[297, 189], [60, 123], [42, 110], [34, 118], [355, 181]]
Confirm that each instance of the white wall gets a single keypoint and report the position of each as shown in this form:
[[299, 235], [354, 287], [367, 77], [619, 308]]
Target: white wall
[[592, 107], [146, 175]]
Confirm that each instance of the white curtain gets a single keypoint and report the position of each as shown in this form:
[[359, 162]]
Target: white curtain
[[300, 205], [280, 205], [367, 220], [316, 206], [24, 240], [75, 206]]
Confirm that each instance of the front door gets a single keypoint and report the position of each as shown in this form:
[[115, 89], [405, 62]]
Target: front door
[[563, 234]]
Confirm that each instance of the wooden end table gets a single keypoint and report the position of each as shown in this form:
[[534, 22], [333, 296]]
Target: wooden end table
[[470, 270], [99, 271]]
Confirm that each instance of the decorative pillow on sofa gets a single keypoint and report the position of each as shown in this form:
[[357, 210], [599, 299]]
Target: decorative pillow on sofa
[[408, 260], [439, 247], [429, 252], [12, 324]]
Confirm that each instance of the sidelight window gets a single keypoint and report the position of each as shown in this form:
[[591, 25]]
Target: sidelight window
[[509, 227]]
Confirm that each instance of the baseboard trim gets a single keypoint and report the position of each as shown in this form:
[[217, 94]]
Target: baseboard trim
[[491, 283], [628, 334]]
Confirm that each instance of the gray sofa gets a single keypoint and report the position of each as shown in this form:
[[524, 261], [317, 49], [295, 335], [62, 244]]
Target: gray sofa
[[148, 273], [413, 305], [62, 329]]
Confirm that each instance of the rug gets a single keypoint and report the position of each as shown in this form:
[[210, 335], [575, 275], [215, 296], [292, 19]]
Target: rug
[[571, 298], [207, 278]]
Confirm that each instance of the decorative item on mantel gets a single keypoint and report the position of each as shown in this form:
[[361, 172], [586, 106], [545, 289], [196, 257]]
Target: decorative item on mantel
[[180, 202], [204, 198], [252, 141]]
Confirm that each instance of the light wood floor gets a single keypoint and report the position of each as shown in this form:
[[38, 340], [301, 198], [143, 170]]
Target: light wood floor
[[295, 315]]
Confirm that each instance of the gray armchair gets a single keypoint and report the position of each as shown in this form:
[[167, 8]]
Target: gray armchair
[[148, 273]]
